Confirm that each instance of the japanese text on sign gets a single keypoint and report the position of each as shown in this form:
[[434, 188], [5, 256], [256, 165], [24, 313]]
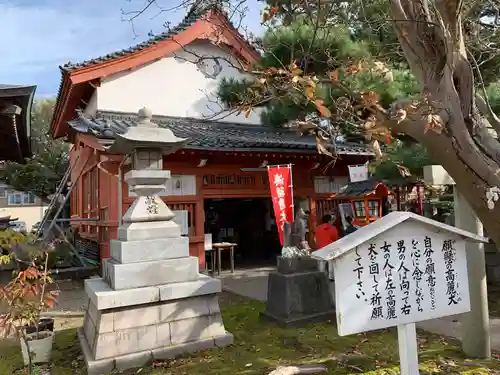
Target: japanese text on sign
[[280, 179], [399, 279]]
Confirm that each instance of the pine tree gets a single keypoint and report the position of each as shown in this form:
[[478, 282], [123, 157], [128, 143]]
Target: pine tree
[[414, 70]]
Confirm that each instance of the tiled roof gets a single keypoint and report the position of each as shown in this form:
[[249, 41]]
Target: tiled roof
[[199, 9], [4, 86], [359, 189], [16, 145], [211, 134]]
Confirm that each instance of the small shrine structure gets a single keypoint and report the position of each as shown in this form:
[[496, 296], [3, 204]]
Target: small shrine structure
[[368, 198], [151, 302]]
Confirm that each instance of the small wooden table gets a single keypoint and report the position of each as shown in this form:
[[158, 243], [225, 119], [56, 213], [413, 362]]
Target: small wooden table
[[219, 247]]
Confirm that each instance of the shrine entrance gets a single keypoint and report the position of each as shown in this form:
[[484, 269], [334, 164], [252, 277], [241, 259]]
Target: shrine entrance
[[247, 222]]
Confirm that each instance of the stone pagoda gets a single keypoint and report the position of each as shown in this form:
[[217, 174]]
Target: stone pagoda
[[151, 303]]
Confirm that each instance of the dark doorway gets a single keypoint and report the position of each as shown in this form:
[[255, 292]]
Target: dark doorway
[[249, 223]]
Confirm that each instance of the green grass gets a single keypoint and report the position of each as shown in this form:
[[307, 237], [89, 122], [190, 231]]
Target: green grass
[[260, 347]]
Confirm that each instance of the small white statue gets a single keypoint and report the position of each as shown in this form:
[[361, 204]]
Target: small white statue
[[293, 252]]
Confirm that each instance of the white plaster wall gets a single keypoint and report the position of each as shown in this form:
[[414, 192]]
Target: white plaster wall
[[29, 214], [91, 107], [172, 86]]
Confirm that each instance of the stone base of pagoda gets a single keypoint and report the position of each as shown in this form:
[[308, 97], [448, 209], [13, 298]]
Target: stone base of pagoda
[[125, 329], [152, 302], [140, 359]]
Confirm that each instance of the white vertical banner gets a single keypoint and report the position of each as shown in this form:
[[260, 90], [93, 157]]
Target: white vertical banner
[[358, 172]]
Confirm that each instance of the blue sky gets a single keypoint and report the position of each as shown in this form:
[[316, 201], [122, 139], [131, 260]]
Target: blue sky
[[36, 36]]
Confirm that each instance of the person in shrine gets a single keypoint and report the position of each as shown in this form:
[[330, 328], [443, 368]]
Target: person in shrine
[[326, 233], [350, 226], [212, 223]]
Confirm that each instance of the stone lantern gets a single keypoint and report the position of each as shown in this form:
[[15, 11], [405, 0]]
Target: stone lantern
[[151, 302], [146, 143]]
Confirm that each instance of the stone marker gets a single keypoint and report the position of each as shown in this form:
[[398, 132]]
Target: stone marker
[[151, 303], [297, 292]]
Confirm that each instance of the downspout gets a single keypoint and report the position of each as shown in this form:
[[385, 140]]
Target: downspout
[[14, 124]]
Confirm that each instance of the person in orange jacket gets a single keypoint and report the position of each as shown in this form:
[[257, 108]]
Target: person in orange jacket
[[326, 233]]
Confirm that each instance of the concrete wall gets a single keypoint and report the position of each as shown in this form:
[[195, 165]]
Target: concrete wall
[[29, 214], [172, 86]]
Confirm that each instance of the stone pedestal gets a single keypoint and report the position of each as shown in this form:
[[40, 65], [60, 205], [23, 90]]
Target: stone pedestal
[[152, 303], [298, 293]]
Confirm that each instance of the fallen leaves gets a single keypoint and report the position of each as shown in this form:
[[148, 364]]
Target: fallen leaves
[[322, 109], [434, 123], [370, 98]]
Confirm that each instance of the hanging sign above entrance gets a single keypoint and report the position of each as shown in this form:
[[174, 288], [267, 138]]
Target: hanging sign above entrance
[[280, 181], [358, 172]]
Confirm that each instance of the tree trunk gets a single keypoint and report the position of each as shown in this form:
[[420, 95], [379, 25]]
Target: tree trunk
[[446, 119], [442, 150]]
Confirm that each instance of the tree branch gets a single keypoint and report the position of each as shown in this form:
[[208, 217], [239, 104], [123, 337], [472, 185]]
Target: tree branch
[[486, 110]]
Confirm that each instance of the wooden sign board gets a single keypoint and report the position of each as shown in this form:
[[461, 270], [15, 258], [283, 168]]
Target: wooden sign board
[[399, 270], [405, 275]]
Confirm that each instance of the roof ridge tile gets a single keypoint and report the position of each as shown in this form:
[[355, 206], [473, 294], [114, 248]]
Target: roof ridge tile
[[197, 10]]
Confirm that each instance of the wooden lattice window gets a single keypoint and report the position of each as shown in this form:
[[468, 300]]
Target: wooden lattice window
[[374, 207], [324, 207], [359, 208]]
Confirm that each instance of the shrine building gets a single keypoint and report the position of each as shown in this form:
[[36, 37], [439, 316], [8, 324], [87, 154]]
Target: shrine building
[[223, 167]]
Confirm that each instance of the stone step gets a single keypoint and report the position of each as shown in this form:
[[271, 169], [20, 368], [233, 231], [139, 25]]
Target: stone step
[[148, 230], [120, 319], [142, 358], [158, 272], [149, 250], [104, 297], [122, 331]]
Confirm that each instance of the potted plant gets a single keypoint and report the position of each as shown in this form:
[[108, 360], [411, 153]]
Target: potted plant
[[21, 250], [26, 296]]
